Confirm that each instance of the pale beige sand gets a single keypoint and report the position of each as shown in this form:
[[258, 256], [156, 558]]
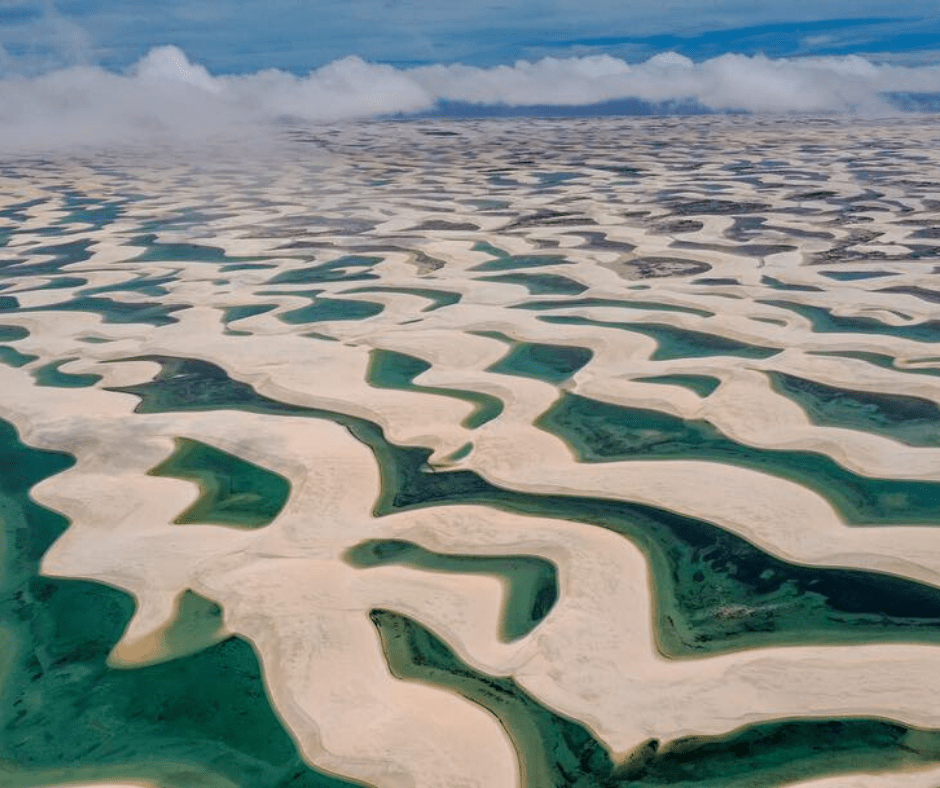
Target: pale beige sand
[[594, 658]]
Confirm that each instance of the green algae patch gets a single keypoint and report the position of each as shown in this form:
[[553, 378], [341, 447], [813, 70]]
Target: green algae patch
[[703, 385], [233, 491], [531, 582], [550, 363], [602, 432], [51, 375], [391, 370]]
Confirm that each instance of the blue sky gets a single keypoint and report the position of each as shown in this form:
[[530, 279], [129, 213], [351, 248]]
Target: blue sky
[[242, 36]]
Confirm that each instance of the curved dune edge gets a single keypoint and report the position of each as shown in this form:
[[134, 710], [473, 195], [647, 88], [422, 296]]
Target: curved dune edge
[[594, 658]]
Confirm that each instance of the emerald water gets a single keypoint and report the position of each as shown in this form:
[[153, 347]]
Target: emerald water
[[51, 375], [572, 303], [532, 583], [602, 432], [556, 752], [233, 491], [391, 370], [673, 343], [352, 268], [13, 358], [703, 385], [200, 721], [911, 420], [438, 298], [503, 261], [878, 360], [542, 361], [322, 309], [713, 591], [825, 321], [540, 284]]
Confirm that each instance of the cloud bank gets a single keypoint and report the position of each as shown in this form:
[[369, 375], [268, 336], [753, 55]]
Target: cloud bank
[[165, 97]]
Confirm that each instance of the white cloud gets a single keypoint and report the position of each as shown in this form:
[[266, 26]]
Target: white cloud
[[165, 96]]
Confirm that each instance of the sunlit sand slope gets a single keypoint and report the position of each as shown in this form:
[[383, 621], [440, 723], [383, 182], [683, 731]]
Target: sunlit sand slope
[[521, 454]]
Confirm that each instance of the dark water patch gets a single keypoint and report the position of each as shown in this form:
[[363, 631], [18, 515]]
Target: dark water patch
[[511, 262], [716, 207], [931, 296], [553, 750], [111, 311], [66, 715], [61, 283], [233, 491], [463, 451], [656, 267], [851, 276], [531, 582], [824, 321], [540, 284], [436, 225], [146, 285], [439, 298], [325, 309], [159, 252], [232, 313], [62, 255], [17, 211], [743, 249], [703, 385], [876, 359], [713, 591], [602, 432], [12, 333], [601, 241], [51, 375], [558, 752], [353, 268], [9, 304], [573, 303], [551, 363], [911, 420], [391, 370], [715, 281], [679, 226], [84, 210], [13, 358], [246, 267], [778, 285], [675, 343]]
